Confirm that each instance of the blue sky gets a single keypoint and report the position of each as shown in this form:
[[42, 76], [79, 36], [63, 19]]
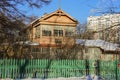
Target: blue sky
[[79, 9]]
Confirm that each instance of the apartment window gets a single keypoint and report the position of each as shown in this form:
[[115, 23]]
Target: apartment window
[[58, 41], [100, 35], [46, 30], [69, 31], [58, 31], [37, 32]]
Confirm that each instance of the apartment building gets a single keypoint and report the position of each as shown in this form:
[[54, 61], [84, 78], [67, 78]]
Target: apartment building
[[106, 26]]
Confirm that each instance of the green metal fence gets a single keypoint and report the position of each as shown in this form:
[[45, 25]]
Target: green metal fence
[[23, 68]]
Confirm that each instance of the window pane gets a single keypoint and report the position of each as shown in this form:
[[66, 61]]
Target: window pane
[[55, 32], [46, 33], [58, 32], [46, 27], [58, 28], [45, 50], [58, 41], [46, 30], [69, 31], [35, 49], [37, 32]]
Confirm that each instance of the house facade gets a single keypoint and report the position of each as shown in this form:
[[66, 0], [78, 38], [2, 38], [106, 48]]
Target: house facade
[[52, 31]]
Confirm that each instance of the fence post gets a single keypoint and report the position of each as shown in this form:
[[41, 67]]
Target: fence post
[[97, 67], [116, 70], [87, 67]]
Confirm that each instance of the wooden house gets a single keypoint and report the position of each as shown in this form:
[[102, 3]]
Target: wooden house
[[51, 31]]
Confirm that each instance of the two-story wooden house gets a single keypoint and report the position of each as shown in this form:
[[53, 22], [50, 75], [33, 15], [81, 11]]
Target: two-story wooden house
[[52, 31]]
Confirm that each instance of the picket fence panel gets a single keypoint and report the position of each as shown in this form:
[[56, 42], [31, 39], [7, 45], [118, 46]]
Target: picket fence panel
[[43, 68]]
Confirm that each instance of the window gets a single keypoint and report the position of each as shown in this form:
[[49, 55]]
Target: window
[[45, 50], [58, 31], [58, 41], [35, 49], [69, 31], [100, 35], [46, 33], [46, 30], [37, 32]]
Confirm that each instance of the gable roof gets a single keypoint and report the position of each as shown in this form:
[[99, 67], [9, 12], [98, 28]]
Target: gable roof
[[59, 12], [56, 17]]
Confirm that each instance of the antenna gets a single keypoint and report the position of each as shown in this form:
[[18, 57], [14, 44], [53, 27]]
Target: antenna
[[59, 4]]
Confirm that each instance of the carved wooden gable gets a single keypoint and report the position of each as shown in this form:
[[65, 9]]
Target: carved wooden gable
[[58, 16]]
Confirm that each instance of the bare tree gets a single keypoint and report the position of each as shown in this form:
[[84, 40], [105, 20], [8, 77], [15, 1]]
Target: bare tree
[[12, 24], [83, 32], [11, 7], [105, 7]]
